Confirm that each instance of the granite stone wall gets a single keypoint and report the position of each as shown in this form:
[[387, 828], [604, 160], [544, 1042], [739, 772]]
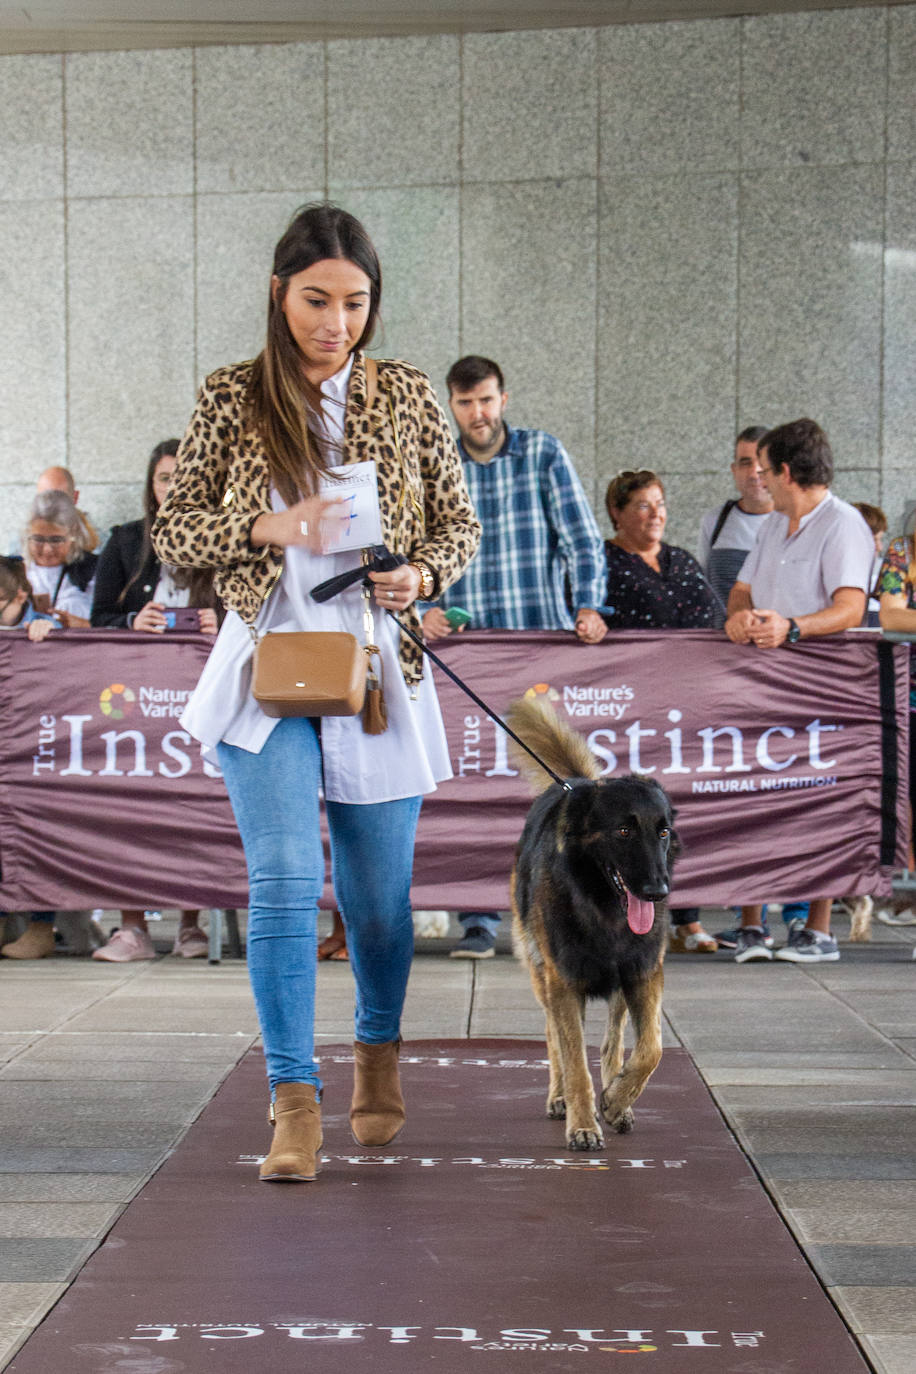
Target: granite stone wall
[[663, 233]]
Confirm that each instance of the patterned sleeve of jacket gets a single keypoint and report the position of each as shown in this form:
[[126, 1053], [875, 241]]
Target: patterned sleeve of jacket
[[447, 533], [200, 523], [577, 532]]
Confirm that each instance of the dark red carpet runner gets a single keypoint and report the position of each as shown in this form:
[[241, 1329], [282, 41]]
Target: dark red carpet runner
[[475, 1242]]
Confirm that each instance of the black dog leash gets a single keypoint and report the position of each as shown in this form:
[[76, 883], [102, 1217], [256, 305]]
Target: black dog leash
[[421, 644], [381, 560]]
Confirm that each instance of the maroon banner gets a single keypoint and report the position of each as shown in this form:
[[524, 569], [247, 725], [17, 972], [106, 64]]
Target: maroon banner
[[779, 764]]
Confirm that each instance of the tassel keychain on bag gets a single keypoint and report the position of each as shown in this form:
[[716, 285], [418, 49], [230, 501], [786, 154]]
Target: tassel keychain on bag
[[375, 712]]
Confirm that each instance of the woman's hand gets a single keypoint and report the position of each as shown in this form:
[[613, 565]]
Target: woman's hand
[[150, 619], [69, 621], [207, 618], [395, 590], [37, 630], [310, 524]]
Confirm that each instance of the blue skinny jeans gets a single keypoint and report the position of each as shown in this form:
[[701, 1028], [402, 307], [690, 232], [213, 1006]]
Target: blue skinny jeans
[[274, 796]]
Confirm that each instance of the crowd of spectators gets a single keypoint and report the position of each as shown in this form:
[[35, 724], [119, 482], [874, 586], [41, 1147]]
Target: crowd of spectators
[[541, 565], [59, 581]]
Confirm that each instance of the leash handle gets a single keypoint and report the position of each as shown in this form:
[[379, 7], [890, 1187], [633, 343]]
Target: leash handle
[[477, 700]]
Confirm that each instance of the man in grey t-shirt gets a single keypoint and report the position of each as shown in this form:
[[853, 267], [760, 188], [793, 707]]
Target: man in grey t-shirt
[[807, 575], [729, 532]]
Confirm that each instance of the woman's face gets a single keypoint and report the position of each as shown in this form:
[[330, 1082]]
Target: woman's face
[[11, 607], [326, 307], [49, 545], [162, 477], [641, 522]]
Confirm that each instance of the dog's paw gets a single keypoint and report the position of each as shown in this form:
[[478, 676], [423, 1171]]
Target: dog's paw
[[620, 1119], [556, 1108], [585, 1139], [623, 1123]]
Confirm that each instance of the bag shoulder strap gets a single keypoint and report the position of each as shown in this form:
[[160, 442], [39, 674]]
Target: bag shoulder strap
[[724, 513], [371, 380]]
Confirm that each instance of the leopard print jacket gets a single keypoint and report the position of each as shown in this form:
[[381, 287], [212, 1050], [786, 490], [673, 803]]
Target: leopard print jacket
[[221, 484]]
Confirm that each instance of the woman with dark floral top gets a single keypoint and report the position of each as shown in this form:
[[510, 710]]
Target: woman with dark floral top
[[656, 586], [651, 585]]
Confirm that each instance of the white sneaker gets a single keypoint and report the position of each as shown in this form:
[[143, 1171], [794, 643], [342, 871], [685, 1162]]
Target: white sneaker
[[888, 916]]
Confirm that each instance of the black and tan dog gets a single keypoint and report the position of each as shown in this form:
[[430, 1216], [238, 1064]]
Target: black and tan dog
[[592, 871]]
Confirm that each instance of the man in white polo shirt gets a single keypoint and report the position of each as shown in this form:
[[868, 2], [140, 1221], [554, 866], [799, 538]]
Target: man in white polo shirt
[[808, 575]]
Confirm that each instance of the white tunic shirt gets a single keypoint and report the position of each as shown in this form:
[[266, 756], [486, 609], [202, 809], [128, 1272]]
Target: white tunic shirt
[[408, 759]]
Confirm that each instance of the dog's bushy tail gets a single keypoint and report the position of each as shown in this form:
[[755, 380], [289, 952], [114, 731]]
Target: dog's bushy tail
[[536, 722]]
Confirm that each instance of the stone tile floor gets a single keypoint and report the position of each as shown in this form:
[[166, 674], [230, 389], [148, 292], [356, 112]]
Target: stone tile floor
[[103, 1068]]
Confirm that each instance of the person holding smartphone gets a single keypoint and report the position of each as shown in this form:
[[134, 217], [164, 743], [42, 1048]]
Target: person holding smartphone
[[135, 591]]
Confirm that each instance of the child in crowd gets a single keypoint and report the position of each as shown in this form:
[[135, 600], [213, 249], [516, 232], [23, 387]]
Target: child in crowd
[[17, 609], [16, 605], [876, 521]]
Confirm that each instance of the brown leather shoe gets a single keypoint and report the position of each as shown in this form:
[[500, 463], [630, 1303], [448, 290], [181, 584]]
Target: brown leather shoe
[[296, 1118], [377, 1110], [36, 942]]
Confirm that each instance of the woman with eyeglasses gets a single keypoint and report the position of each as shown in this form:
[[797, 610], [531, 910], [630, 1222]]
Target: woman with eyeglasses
[[651, 584], [60, 569], [133, 591], [656, 586]]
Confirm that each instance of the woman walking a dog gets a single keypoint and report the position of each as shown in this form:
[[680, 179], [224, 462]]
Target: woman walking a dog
[[252, 498]]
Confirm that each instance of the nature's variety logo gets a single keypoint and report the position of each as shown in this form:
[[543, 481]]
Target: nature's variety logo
[[116, 701], [542, 690]]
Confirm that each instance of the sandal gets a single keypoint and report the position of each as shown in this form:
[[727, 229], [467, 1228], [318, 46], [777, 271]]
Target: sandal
[[333, 947]]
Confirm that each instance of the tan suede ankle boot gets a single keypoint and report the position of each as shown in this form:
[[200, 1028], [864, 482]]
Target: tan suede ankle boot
[[36, 942], [377, 1109], [296, 1118]]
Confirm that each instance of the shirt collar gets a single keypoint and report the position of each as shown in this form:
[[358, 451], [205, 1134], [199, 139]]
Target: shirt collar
[[336, 386], [821, 505]]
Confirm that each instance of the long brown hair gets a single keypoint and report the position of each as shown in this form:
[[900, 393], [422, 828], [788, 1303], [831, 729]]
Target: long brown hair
[[278, 392], [165, 448], [198, 581]]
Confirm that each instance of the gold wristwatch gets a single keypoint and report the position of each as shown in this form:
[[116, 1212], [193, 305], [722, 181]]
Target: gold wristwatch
[[427, 582]]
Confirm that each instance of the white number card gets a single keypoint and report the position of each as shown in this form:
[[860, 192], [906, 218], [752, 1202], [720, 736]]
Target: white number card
[[358, 522]]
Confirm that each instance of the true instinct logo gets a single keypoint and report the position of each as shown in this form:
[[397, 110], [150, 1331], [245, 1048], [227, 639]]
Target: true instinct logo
[[63, 742], [538, 1339], [638, 748]]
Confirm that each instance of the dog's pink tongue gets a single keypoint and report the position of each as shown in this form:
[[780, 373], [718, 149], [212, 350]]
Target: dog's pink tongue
[[640, 915]]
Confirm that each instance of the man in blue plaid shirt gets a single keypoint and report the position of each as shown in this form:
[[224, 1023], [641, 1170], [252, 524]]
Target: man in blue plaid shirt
[[538, 534]]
